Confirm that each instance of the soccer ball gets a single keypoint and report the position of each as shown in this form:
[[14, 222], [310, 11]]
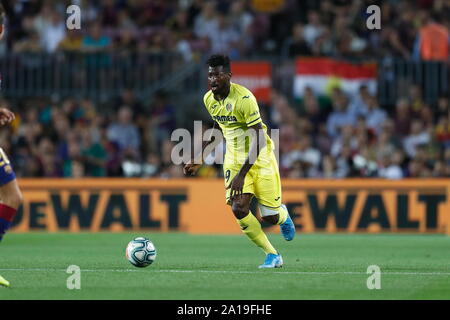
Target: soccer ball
[[141, 252]]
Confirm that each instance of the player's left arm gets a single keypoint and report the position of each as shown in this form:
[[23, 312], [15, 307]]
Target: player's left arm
[[6, 10], [258, 142], [2, 21], [6, 116]]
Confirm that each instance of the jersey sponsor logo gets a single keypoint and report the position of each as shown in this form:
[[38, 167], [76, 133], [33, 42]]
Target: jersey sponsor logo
[[254, 114], [229, 107], [277, 199], [245, 97], [225, 118], [214, 106]]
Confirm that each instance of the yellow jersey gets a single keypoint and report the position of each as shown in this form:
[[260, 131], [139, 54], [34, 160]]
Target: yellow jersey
[[235, 114]]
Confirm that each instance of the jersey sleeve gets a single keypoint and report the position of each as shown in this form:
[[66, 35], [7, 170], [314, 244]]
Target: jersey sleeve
[[250, 111], [206, 104]]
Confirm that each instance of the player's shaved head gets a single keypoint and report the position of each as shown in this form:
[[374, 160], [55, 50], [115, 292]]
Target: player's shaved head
[[217, 60]]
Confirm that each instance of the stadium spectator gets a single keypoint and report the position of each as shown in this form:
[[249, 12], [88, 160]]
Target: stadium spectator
[[330, 27], [224, 38], [402, 116], [313, 29], [312, 111], [93, 156], [128, 98], [304, 159], [124, 132], [415, 99], [442, 131], [418, 136], [52, 31], [357, 133], [50, 166], [109, 15], [29, 44], [71, 41], [181, 35], [433, 40], [443, 107], [95, 41], [296, 44], [206, 23], [240, 18], [375, 116], [152, 165], [90, 11], [126, 43], [389, 167], [340, 116], [162, 120]]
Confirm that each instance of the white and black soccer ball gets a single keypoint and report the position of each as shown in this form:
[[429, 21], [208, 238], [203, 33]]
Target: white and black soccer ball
[[141, 252]]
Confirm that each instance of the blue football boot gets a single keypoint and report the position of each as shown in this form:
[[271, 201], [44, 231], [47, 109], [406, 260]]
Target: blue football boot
[[272, 261], [288, 227]]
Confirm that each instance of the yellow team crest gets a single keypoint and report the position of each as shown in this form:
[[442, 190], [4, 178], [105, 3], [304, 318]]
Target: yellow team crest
[[8, 169]]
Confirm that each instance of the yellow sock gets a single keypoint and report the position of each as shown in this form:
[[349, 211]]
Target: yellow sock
[[283, 214], [4, 282], [252, 228]]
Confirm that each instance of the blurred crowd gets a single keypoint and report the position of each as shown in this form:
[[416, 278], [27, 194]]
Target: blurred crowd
[[239, 28], [320, 137], [76, 139], [344, 136]]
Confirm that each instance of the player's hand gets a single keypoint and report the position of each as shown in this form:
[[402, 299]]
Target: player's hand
[[6, 116], [236, 185], [190, 169]]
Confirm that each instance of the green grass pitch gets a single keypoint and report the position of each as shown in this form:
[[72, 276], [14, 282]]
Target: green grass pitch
[[317, 266]]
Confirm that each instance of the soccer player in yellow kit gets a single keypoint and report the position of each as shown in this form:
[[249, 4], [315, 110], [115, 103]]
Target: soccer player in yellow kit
[[250, 167]]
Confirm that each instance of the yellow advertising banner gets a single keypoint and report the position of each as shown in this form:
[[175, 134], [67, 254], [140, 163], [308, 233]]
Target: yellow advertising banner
[[198, 205]]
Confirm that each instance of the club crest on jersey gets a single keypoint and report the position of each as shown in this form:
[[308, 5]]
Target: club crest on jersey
[[229, 107]]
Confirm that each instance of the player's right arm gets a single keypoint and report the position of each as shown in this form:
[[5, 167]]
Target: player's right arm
[[6, 116], [2, 20], [191, 168], [6, 10]]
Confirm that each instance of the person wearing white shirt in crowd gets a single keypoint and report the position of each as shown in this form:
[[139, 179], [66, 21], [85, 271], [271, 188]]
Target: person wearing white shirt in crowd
[[308, 156], [375, 116], [340, 117], [390, 168], [418, 136], [206, 22], [314, 28], [53, 32]]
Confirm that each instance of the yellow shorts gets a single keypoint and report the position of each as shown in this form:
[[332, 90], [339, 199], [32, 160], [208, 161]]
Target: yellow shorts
[[263, 181]]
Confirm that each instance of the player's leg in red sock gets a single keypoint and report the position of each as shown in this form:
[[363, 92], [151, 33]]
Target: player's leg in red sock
[[10, 200]]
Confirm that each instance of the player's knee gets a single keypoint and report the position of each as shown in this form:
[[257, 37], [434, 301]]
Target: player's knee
[[240, 210], [13, 199], [271, 219], [18, 198]]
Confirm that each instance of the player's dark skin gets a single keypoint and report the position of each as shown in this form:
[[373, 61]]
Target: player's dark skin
[[219, 82]]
